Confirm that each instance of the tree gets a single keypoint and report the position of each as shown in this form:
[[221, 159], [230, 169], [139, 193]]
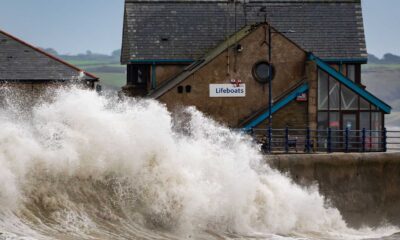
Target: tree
[[389, 58], [51, 51], [116, 53]]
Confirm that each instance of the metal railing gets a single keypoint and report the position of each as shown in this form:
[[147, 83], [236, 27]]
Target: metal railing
[[307, 140]]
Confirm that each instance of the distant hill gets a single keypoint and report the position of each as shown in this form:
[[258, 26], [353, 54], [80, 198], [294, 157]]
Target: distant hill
[[88, 56], [106, 67], [114, 57], [388, 58]]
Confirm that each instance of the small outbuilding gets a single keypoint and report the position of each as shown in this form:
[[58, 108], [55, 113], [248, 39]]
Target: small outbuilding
[[31, 70]]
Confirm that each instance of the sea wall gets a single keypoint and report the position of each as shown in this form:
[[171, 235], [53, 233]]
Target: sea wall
[[364, 187]]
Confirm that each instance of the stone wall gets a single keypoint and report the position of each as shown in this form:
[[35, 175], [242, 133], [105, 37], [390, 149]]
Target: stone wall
[[287, 58], [293, 115], [364, 187], [312, 79], [167, 71]]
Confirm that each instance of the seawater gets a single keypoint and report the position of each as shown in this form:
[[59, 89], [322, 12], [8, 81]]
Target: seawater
[[84, 166]]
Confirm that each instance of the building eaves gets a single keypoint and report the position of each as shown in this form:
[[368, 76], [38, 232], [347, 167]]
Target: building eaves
[[244, 1]]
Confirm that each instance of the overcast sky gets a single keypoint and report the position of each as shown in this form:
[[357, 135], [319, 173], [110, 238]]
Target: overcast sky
[[74, 26]]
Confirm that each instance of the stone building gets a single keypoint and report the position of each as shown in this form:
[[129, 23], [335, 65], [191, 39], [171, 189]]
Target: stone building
[[218, 55], [29, 71]]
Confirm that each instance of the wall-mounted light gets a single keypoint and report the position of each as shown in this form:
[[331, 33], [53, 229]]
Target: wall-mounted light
[[239, 48]]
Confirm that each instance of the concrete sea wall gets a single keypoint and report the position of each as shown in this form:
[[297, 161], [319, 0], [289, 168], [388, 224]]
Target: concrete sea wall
[[364, 187]]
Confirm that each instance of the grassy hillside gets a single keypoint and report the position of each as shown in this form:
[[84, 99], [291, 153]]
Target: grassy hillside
[[113, 80], [111, 73], [373, 66]]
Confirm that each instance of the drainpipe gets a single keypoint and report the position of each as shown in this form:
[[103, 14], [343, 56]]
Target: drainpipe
[[153, 76], [270, 87]]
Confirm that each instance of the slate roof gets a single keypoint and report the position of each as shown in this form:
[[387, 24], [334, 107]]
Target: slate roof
[[20, 61], [184, 29]]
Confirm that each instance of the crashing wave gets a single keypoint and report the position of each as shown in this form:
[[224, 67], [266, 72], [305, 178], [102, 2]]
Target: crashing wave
[[84, 166]]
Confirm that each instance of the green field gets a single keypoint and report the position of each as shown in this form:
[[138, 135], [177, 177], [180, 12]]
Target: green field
[[91, 63], [111, 74], [381, 66], [116, 80]]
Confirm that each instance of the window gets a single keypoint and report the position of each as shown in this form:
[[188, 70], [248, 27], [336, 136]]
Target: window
[[376, 120], [339, 107], [351, 72], [138, 74], [188, 88], [334, 88], [333, 96], [350, 123], [322, 90], [334, 124], [365, 123], [376, 127], [349, 99], [143, 74], [364, 104], [323, 120], [262, 71], [180, 89], [365, 120], [334, 121]]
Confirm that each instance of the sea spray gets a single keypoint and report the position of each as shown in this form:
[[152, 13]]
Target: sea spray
[[83, 166]]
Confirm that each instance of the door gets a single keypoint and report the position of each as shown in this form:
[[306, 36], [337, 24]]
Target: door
[[349, 121]]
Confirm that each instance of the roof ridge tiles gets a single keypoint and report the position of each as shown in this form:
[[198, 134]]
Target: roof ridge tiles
[[242, 1]]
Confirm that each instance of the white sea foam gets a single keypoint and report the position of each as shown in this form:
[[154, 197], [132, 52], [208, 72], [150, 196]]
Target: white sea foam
[[86, 166]]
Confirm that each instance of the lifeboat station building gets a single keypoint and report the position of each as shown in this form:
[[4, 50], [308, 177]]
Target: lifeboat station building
[[255, 63]]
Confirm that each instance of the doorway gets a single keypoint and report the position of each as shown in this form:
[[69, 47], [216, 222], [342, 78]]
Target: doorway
[[349, 121]]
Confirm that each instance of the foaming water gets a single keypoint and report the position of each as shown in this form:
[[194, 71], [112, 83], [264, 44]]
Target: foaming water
[[85, 166]]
